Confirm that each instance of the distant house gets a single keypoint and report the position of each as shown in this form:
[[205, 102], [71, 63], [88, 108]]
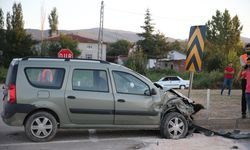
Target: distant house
[[175, 60], [88, 47], [120, 59]]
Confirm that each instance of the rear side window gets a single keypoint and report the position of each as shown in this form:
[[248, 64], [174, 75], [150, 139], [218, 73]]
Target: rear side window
[[11, 75], [90, 80], [174, 79], [45, 77]]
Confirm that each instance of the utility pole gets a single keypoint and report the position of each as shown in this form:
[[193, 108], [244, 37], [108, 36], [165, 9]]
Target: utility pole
[[43, 15], [100, 35]]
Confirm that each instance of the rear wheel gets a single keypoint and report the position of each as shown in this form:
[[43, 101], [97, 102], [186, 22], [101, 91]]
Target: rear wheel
[[41, 127], [174, 126]]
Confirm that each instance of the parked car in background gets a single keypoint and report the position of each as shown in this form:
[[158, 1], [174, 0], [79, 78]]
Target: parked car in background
[[170, 82]]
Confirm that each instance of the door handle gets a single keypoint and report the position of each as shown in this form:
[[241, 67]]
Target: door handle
[[121, 100], [71, 97]]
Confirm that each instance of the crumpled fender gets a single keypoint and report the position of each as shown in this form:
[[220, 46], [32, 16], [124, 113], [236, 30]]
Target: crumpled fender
[[178, 104]]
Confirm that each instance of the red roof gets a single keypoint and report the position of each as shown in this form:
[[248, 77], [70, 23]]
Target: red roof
[[78, 38]]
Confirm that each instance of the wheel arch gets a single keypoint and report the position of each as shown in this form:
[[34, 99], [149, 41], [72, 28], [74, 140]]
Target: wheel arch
[[177, 105], [45, 110]]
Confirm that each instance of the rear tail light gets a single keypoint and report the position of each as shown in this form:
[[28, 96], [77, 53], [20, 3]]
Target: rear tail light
[[3, 92], [12, 93]]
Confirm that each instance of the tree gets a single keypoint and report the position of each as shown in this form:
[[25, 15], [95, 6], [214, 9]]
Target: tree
[[176, 45], [153, 45], [69, 43], [161, 47], [120, 47], [223, 36], [18, 43], [52, 48], [137, 62], [146, 43], [53, 22], [1, 19], [8, 21], [2, 33]]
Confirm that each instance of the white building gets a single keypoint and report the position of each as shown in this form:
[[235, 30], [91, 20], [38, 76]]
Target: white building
[[87, 47], [175, 60]]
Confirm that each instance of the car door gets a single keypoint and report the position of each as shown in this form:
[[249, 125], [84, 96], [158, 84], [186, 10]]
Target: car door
[[167, 83], [89, 97], [132, 105], [175, 82]]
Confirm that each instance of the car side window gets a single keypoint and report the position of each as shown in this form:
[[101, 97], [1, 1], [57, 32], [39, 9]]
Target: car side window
[[175, 79], [90, 80], [45, 77], [129, 84], [166, 79]]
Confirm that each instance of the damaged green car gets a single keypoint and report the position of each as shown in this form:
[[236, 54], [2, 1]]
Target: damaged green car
[[45, 94]]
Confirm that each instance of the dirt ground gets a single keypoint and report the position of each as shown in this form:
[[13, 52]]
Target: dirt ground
[[219, 106]]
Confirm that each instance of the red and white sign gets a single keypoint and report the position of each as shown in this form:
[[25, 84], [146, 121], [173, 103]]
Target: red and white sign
[[65, 53]]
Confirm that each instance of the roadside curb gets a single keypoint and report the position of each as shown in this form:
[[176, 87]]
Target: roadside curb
[[220, 124]]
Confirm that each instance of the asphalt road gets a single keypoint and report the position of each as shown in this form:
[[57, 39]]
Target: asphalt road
[[13, 138]]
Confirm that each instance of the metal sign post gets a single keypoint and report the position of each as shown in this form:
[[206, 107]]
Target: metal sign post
[[190, 82], [195, 49]]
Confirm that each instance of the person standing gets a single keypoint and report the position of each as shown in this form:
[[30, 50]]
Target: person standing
[[243, 88], [246, 75], [228, 78]]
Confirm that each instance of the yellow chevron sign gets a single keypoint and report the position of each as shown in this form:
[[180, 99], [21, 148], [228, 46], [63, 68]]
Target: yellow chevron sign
[[195, 48]]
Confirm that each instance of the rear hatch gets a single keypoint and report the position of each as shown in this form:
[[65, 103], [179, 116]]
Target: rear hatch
[[9, 88]]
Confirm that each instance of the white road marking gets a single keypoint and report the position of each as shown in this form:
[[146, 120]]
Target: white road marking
[[92, 135], [72, 141]]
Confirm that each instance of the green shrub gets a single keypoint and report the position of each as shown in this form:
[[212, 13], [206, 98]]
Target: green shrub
[[211, 80], [3, 73]]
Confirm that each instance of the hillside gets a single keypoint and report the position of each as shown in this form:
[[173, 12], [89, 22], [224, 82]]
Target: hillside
[[109, 35]]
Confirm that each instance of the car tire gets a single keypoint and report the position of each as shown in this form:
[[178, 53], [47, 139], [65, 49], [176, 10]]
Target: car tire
[[182, 87], [174, 126], [41, 127]]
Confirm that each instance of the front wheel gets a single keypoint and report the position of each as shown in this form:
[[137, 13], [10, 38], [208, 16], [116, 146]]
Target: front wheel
[[174, 126], [182, 87], [41, 127]]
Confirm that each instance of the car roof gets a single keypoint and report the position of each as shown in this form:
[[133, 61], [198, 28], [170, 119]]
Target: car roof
[[75, 61], [170, 76]]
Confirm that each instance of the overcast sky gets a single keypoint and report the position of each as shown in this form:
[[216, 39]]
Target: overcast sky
[[171, 17]]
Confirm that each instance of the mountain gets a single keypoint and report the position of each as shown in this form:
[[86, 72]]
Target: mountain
[[109, 35], [245, 39]]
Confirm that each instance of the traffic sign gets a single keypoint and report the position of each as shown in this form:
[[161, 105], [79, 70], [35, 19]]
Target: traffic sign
[[65, 53], [195, 48]]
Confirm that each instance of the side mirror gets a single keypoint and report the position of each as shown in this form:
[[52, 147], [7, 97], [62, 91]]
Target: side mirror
[[150, 92], [158, 86], [153, 91]]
